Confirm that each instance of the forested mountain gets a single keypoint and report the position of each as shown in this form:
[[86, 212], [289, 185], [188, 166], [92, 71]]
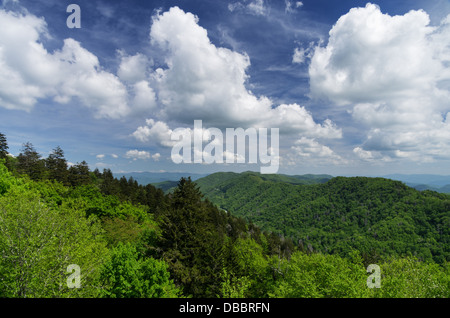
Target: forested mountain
[[220, 177], [127, 240], [376, 216]]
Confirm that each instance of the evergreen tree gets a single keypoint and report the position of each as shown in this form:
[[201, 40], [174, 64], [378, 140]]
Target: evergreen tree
[[79, 174], [3, 146], [57, 166], [29, 162], [190, 242], [109, 185]]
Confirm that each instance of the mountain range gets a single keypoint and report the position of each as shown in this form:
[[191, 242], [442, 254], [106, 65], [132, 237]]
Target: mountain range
[[438, 183], [145, 178], [168, 180], [377, 216]]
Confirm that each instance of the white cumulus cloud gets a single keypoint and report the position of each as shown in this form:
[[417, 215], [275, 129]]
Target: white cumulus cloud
[[392, 74], [28, 72], [138, 154], [203, 81]]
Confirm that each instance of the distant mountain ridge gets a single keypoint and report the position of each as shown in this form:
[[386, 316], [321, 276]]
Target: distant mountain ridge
[[145, 178], [430, 179], [168, 180], [376, 216], [210, 181], [421, 182]]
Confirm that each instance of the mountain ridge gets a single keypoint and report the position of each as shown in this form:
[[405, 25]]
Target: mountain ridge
[[371, 214], [168, 180]]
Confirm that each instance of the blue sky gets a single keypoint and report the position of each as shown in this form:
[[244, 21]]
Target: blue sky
[[355, 88]]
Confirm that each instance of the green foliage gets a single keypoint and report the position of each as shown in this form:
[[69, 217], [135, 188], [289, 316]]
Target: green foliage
[[232, 286], [29, 162], [411, 278], [130, 230], [190, 241], [374, 215], [57, 166], [38, 242], [126, 275], [79, 174], [6, 178], [254, 264], [317, 275], [106, 205]]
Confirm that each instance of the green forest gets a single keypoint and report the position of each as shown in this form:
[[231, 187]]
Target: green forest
[[273, 238], [378, 217]]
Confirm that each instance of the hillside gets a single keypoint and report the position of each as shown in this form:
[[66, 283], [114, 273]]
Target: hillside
[[374, 215], [217, 184]]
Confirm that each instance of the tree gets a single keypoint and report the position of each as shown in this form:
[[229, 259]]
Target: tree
[[190, 242], [109, 185], [3, 146], [30, 163], [39, 242], [316, 276], [127, 275], [56, 166], [411, 278], [79, 174]]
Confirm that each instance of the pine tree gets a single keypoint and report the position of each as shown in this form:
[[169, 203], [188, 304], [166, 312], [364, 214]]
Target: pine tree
[[3, 146], [109, 185], [190, 241], [79, 174], [30, 163], [57, 166]]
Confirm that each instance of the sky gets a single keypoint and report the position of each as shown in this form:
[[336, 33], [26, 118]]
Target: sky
[[353, 87]]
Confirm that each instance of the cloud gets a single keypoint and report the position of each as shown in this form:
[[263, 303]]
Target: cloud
[[156, 156], [198, 81], [100, 156], [392, 74], [144, 100], [133, 68], [371, 55], [363, 154], [301, 55], [85, 79], [28, 72], [142, 155], [137, 154], [158, 132], [25, 66], [202, 81], [310, 151], [255, 7], [290, 6]]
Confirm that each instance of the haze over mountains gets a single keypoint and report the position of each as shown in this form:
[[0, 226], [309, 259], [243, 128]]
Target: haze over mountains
[[145, 177], [421, 182], [167, 180]]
